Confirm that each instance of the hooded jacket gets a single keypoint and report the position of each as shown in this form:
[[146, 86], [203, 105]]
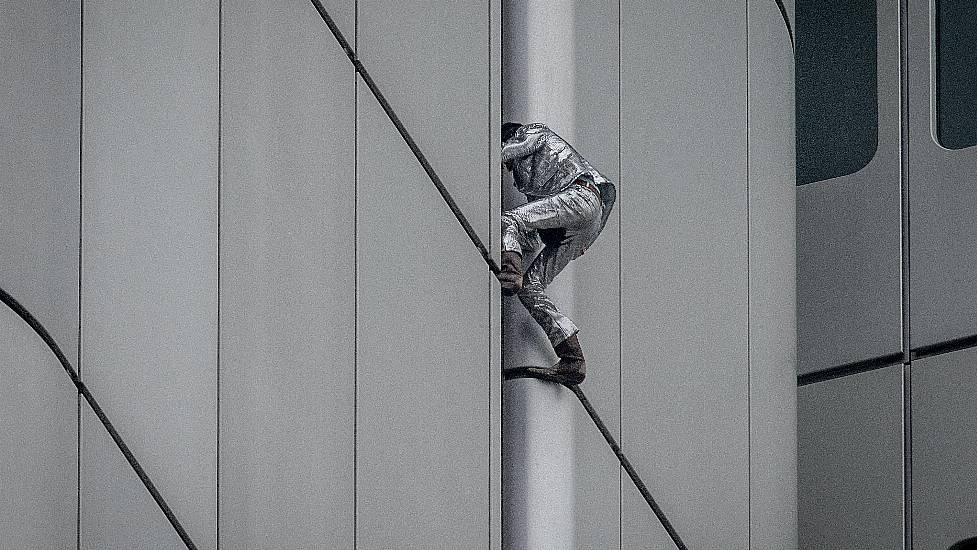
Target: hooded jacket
[[544, 164]]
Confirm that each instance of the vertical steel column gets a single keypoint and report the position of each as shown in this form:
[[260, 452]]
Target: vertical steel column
[[537, 424]]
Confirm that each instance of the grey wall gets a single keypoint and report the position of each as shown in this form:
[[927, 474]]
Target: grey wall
[[849, 235], [597, 300], [686, 302], [692, 273], [772, 270], [149, 274], [296, 358], [39, 103], [935, 446], [39, 162], [287, 279], [39, 465], [941, 198], [296, 339], [944, 444], [684, 262], [850, 462], [423, 362]]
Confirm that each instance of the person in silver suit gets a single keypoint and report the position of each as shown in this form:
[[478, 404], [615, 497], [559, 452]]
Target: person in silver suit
[[568, 205]]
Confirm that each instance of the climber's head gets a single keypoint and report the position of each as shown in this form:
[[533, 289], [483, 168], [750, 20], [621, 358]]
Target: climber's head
[[509, 130]]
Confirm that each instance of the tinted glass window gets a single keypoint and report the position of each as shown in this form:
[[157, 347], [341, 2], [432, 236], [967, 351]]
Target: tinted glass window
[[836, 87], [956, 73]]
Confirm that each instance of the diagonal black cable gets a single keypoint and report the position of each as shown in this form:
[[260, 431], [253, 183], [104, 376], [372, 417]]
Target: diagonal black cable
[[632, 473], [526, 372], [435, 179], [488, 260], [84, 391], [790, 30]]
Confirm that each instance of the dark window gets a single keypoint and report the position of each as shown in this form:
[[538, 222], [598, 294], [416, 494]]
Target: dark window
[[836, 87], [956, 73]]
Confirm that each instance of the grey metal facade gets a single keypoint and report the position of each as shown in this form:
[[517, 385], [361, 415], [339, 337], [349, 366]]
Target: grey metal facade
[[686, 300], [425, 368], [597, 476], [292, 333], [217, 189], [684, 224], [944, 444], [850, 462], [39, 265], [149, 272], [286, 264], [773, 292], [704, 197], [902, 454], [849, 235]]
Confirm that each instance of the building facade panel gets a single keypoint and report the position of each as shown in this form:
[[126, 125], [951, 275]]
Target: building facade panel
[[684, 265], [772, 270], [149, 279], [38, 443], [850, 462], [944, 449], [39, 164], [849, 227], [424, 367], [286, 278], [941, 198], [597, 281]]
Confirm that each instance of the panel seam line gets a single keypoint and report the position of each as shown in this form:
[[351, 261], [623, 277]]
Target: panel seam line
[[356, 275], [620, 291], [749, 320], [81, 206], [220, 158]]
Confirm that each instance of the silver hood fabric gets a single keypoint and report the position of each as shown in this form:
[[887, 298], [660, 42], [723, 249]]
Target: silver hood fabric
[[544, 164]]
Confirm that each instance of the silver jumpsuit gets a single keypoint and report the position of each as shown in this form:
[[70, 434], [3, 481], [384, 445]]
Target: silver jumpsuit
[[562, 218]]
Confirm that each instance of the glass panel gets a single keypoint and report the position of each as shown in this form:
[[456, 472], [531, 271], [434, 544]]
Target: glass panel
[[956, 73], [836, 87]]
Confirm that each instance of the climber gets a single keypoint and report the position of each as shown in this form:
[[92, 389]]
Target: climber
[[568, 205]]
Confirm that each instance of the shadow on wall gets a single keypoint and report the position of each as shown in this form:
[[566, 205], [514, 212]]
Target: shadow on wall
[[966, 544]]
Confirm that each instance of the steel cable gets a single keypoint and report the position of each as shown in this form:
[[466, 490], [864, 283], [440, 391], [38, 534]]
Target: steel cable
[[632, 473], [435, 179], [97, 409], [525, 372]]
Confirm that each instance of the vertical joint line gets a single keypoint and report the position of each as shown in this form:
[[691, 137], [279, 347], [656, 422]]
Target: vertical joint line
[[905, 279], [488, 163], [907, 443], [356, 268], [81, 206], [749, 319], [220, 131], [620, 286], [491, 303], [904, 179]]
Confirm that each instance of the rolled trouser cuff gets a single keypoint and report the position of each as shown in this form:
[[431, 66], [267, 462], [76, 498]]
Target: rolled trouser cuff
[[563, 328]]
